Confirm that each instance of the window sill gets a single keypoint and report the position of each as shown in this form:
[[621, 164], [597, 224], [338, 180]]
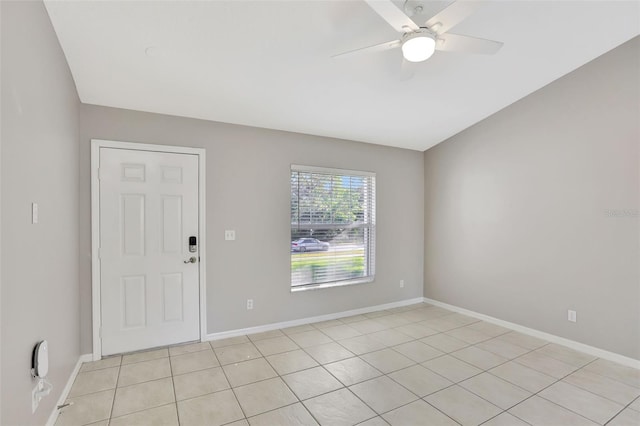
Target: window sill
[[331, 285]]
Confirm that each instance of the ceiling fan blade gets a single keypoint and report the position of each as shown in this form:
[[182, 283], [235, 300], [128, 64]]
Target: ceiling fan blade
[[452, 15], [393, 15], [369, 49], [461, 43]]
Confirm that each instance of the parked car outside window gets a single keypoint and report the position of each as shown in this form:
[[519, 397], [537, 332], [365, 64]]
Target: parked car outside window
[[309, 244]]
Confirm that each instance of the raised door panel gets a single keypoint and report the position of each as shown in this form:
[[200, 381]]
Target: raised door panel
[[132, 224], [173, 300], [133, 302], [171, 212]]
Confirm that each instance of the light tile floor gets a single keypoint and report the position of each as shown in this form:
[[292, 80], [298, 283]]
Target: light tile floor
[[415, 365]]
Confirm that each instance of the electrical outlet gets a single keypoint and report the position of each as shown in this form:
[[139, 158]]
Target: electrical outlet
[[572, 316], [249, 304], [35, 398], [401, 283], [229, 235]]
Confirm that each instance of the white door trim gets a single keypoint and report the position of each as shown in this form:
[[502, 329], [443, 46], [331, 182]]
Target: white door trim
[[96, 144]]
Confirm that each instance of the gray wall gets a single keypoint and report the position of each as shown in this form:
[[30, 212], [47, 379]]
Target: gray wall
[[248, 190], [516, 222], [40, 290]]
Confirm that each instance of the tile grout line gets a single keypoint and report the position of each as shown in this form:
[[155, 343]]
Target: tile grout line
[[626, 407], [422, 398], [552, 402], [419, 398], [161, 378], [516, 385], [299, 401], [605, 377], [115, 391], [173, 385], [230, 388], [500, 378], [576, 368], [96, 391], [135, 412], [353, 384], [144, 409]]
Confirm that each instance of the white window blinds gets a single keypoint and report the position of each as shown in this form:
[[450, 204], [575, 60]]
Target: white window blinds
[[332, 226]]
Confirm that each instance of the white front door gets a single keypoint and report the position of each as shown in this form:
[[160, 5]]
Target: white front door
[[149, 296]]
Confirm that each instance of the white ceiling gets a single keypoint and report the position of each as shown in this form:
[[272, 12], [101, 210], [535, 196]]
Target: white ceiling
[[268, 63]]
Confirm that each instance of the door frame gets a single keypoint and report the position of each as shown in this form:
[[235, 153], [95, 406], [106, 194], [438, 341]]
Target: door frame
[[96, 144]]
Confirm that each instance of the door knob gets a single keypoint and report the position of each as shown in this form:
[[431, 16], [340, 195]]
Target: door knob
[[192, 259]]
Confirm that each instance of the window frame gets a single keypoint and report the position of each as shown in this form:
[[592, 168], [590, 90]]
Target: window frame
[[370, 246]]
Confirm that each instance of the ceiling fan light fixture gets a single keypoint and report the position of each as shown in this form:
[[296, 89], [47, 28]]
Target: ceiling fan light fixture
[[418, 46]]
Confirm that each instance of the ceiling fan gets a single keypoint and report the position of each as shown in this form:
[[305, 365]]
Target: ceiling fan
[[418, 42]]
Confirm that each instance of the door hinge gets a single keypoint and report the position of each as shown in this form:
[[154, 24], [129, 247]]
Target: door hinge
[[100, 253], [100, 332]]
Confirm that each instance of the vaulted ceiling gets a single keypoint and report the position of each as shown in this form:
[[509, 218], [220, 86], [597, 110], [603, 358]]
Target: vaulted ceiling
[[269, 63]]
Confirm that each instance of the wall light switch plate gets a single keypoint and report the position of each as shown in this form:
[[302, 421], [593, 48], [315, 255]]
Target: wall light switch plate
[[572, 316], [34, 213], [229, 235]]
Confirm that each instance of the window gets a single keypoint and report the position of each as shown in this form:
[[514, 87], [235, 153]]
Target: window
[[333, 227]]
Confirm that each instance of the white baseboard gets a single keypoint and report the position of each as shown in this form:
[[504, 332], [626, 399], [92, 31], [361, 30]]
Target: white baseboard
[[308, 320], [65, 392], [591, 350]]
